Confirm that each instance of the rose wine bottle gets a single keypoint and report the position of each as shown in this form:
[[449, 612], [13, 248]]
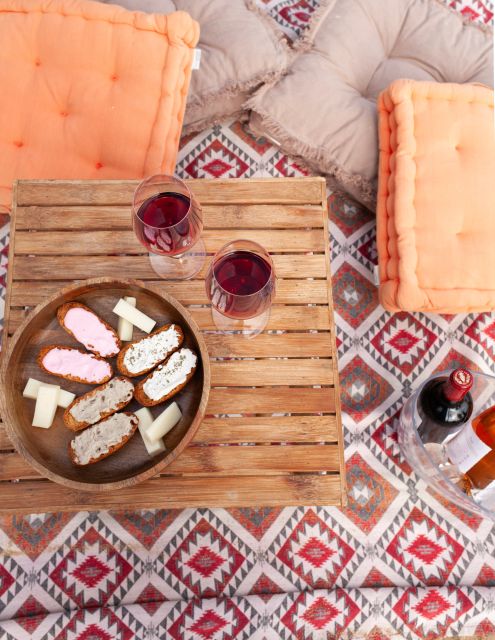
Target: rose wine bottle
[[472, 450], [444, 406]]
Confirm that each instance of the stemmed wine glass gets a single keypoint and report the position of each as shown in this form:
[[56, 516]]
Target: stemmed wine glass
[[240, 285], [168, 220]]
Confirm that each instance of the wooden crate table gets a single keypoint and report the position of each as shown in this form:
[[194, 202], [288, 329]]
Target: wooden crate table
[[281, 390]]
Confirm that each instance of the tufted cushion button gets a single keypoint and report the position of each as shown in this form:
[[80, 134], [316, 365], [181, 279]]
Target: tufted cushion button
[[37, 62], [98, 165], [114, 77], [64, 114], [18, 143]]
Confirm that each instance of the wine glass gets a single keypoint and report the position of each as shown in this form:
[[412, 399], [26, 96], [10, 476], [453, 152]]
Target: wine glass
[[167, 220], [240, 285]]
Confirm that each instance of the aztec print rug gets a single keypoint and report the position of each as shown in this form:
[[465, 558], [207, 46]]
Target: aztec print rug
[[396, 563]]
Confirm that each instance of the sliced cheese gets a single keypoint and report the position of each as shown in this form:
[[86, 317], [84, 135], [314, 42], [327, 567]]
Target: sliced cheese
[[46, 405], [125, 328], [139, 319], [146, 420], [65, 398], [31, 389], [164, 423], [33, 386]]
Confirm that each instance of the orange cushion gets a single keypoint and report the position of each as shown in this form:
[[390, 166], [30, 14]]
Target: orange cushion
[[436, 200], [90, 90]]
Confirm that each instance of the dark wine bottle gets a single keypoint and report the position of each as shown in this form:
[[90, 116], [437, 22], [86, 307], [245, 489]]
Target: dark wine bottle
[[444, 406]]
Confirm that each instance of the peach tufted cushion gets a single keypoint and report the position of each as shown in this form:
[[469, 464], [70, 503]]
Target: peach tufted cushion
[[90, 90], [324, 109], [436, 197]]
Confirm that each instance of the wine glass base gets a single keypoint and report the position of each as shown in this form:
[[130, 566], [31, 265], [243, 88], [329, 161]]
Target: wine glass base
[[181, 267], [249, 328]]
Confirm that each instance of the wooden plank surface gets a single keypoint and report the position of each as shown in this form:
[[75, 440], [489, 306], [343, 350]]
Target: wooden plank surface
[[288, 318], [175, 492], [229, 460], [36, 267], [241, 216], [188, 292], [119, 192], [284, 427], [104, 243], [255, 429]]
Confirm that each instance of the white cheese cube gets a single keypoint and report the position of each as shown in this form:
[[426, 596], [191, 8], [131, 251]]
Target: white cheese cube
[[65, 398], [33, 386], [31, 389], [145, 420], [125, 327], [140, 320], [164, 423], [46, 405]]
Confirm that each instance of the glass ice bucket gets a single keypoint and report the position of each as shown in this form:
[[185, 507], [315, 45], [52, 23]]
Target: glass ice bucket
[[425, 461]]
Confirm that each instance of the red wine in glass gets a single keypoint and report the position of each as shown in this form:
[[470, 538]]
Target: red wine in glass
[[163, 225], [240, 283]]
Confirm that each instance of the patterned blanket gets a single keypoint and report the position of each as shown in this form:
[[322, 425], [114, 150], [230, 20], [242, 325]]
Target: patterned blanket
[[398, 562]]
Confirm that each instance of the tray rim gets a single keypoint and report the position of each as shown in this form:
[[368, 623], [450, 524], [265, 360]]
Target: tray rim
[[153, 471]]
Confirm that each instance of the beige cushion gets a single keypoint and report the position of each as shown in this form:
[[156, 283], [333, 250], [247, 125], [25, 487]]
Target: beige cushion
[[324, 109], [242, 47]]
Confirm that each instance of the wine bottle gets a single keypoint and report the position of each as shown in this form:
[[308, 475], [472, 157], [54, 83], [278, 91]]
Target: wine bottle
[[472, 450], [444, 406]]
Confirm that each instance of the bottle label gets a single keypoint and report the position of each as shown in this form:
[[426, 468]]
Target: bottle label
[[466, 449]]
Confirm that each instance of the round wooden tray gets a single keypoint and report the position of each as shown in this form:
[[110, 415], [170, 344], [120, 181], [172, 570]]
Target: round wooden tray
[[46, 449]]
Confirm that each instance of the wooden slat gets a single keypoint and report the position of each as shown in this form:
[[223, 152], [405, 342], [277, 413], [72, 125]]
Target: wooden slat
[[105, 243], [235, 460], [262, 373], [243, 216], [295, 345], [302, 318], [248, 460], [271, 400], [291, 345], [188, 292], [175, 492], [111, 192], [36, 267], [254, 429], [270, 429]]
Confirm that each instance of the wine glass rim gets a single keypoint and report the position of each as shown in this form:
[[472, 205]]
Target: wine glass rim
[[148, 179], [247, 295]]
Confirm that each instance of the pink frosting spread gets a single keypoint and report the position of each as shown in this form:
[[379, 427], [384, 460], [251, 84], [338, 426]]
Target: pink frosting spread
[[91, 332], [70, 362]]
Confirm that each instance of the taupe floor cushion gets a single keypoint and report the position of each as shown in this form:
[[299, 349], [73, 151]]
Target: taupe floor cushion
[[324, 109], [242, 48]]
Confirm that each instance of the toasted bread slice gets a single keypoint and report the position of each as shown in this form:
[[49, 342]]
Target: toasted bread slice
[[167, 379], [141, 356], [83, 324], [99, 403], [102, 439], [74, 364]]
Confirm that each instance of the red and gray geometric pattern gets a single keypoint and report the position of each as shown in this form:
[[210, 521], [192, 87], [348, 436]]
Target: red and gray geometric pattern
[[398, 562]]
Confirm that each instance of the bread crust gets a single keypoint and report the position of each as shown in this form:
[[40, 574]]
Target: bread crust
[[62, 312], [146, 401], [45, 350], [113, 449], [120, 358], [74, 425]]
